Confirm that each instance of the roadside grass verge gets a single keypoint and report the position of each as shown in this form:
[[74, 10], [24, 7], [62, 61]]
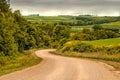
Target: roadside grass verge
[[113, 60], [24, 60]]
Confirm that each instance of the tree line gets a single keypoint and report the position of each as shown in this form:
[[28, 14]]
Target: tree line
[[96, 33], [17, 34], [88, 20]]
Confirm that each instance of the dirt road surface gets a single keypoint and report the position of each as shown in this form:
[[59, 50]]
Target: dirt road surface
[[55, 67]]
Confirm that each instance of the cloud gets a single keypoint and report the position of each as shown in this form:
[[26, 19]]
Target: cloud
[[72, 7]]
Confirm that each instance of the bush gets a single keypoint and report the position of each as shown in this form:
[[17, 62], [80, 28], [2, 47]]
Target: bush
[[82, 47], [112, 50], [3, 60], [77, 46]]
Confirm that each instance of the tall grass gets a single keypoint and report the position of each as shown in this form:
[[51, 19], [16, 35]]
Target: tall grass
[[10, 64]]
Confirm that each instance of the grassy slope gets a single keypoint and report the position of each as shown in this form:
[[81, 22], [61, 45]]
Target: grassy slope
[[105, 42], [22, 61], [113, 60]]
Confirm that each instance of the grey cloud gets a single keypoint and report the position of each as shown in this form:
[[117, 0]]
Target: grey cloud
[[74, 6]]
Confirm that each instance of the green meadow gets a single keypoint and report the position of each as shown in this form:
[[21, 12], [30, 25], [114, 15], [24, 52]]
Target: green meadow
[[48, 18], [105, 42], [112, 25]]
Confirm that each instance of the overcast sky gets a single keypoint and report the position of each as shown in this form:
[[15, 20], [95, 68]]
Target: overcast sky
[[67, 7]]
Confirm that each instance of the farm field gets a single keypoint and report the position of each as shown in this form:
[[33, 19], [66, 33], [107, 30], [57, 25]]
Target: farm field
[[115, 25], [71, 19], [112, 25], [105, 42], [48, 18]]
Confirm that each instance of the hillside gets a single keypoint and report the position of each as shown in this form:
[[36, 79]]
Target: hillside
[[72, 20], [77, 22]]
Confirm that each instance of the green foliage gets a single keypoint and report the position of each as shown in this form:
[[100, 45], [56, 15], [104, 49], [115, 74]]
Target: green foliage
[[84, 46], [10, 64], [75, 36], [77, 46], [60, 33], [97, 27], [3, 6], [112, 50], [18, 35], [99, 33]]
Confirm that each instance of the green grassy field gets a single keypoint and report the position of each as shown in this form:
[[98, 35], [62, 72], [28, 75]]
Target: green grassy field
[[49, 18], [105, 42], [112, 25], [115, 25]]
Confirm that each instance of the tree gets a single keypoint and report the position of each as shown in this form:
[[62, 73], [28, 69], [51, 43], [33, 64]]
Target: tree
[[61, 32], [4, 7], [86, 31], [97, 27]]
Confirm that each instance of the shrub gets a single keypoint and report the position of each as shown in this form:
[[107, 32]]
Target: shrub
[[82, 47], [3, 60], [112, 50], [77, 46]]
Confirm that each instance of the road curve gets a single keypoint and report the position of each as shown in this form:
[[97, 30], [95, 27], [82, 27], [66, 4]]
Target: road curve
[[55, 67]]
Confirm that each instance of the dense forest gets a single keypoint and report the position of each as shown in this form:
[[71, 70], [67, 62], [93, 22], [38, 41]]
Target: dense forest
[[17, 34], [19, 38]]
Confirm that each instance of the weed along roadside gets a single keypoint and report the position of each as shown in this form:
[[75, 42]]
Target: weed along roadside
[[92, 56], [24, 60], [109, 55]]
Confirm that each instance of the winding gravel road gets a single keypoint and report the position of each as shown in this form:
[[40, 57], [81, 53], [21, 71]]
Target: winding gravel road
[[55, 67]]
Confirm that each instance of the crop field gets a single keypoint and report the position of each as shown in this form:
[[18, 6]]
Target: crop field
[[49, 18], [112, 25], [105, 42], [115, 25]]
